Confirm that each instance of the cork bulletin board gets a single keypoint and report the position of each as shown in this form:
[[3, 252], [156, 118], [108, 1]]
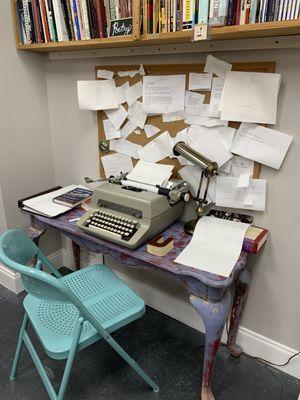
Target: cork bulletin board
[[172, 127]]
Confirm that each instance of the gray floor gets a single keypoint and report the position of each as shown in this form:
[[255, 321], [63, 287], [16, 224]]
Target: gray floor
[[168, 350]]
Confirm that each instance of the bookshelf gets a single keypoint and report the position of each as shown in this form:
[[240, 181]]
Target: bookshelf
[[267, 29]]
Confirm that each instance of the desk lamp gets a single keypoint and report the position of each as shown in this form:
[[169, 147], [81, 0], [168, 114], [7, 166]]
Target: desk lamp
[[208, 169]]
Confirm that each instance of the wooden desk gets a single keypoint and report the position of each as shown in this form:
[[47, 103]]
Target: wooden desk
[[210, 294]]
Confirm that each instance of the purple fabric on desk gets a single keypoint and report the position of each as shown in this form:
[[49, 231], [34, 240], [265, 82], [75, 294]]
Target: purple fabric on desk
[[166, 263]]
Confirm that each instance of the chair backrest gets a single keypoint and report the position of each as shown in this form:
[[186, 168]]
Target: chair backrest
[[16, 250]]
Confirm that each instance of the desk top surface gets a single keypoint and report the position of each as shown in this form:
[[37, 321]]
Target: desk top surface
[[167, 263]]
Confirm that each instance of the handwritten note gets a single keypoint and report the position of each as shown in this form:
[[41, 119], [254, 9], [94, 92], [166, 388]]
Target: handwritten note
[[137, 115], [117, 117], [110, 131]]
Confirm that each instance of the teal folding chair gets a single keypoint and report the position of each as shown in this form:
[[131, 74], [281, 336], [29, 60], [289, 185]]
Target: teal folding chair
[[68, 313]]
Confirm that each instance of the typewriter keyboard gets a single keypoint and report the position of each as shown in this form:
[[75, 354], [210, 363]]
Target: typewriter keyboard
[[102, 222]]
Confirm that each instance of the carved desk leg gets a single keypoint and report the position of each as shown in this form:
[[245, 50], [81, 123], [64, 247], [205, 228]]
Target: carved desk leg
[[239, 302], [214, 316], [76, 254]]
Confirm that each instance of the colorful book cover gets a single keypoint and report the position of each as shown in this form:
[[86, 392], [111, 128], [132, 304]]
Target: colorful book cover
[[203, 11], [230, 15], [76, 20], [188, 7], [253, 10], [45, 25], [247, 11], [53, 21], [21, 22], [218, 12], [94, 21], [150, 16]]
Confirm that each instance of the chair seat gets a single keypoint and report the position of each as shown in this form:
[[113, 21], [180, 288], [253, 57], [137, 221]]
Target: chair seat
[[107, 298]]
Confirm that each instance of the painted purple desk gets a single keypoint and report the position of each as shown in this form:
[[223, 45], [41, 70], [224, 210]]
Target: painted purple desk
[[210, 294]]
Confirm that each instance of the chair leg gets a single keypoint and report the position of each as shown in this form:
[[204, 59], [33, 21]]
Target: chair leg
[[70, 360], [132, 363], [15, 365]]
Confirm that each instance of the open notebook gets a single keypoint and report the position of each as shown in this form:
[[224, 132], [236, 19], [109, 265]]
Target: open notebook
[[44, 204]]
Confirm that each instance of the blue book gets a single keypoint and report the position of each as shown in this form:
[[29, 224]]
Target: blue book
[[76, 19], [203, 11]]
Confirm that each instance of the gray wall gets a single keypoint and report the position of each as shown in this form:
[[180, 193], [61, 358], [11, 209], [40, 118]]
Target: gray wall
[[273, 304], [26, 163]]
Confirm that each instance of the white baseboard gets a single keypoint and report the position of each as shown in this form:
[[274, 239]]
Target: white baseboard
[[251, 342], [12, 280]]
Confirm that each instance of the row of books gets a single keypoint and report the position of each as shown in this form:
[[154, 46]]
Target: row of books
[[162, 16], [43, 21]]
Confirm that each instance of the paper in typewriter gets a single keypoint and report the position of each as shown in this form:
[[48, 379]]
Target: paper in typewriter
[[215, 246], [150, 173]]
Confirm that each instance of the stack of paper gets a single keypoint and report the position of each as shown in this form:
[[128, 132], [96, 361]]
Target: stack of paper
[[150, 173], [215, 246]]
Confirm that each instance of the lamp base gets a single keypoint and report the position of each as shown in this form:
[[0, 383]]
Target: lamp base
[[189, 226]]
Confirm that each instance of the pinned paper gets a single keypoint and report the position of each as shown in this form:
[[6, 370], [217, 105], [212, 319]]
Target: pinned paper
[[173, 116], [216, 94], [127, 129], [110, 131], [163, 93], [151, 130], [137, 115], [150, 173], [115, 164], [200, 81], [243, 181], [97, 95], [133, 93], [120, 90], [251, 198], [125, 147], [105, 74], [132, 73], [241, 166], [158, 149], [216, 66], [117, 117]]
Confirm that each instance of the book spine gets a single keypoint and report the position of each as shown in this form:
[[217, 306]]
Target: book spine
[[44, 21], [271, 10], [94, 23], [104, 18], [80, 17], [237, 12], [21, 21], [284, 11], [187, 15], [65, 14], [76, 20], [90, 18], [150, 16], [112, 10], [293, 9], [60, 23], [51, 9], [31, 17], [39, 9], [117, 9], [71, 19], [99, 19], [253, 9], [203, 11], [218, 12], [145, 11], [155, 15], [297, 11], [230, 14], [247, 11], [265, 10], [243, 13], [27, 21], [36, 22], [289, 9], [85, 20]]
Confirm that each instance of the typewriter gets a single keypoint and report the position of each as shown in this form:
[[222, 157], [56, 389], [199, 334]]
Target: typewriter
[[129, 213]]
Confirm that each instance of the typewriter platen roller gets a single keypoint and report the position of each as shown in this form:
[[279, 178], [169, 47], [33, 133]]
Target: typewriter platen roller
[[129, 215]]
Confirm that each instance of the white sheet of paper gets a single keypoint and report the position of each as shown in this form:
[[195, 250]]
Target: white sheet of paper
[[132, 73], [159, 148], [216, 94], [115, 164], [261, 144], [150, 173], [243, 181], [181, 136], [125, 147], [226, 134], [151, 130], [120, 91], [105, 74], [229, 195], [44, 204], [200, 81], [194, 103], [117, 117], [207, 142], [127, 129], [97, 95], [173, 116], [110, 131], [250, 97], [215, 246], [241, 166], [137, 115], [216, 66], [163, 93], [192, 174], [133, 93]]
